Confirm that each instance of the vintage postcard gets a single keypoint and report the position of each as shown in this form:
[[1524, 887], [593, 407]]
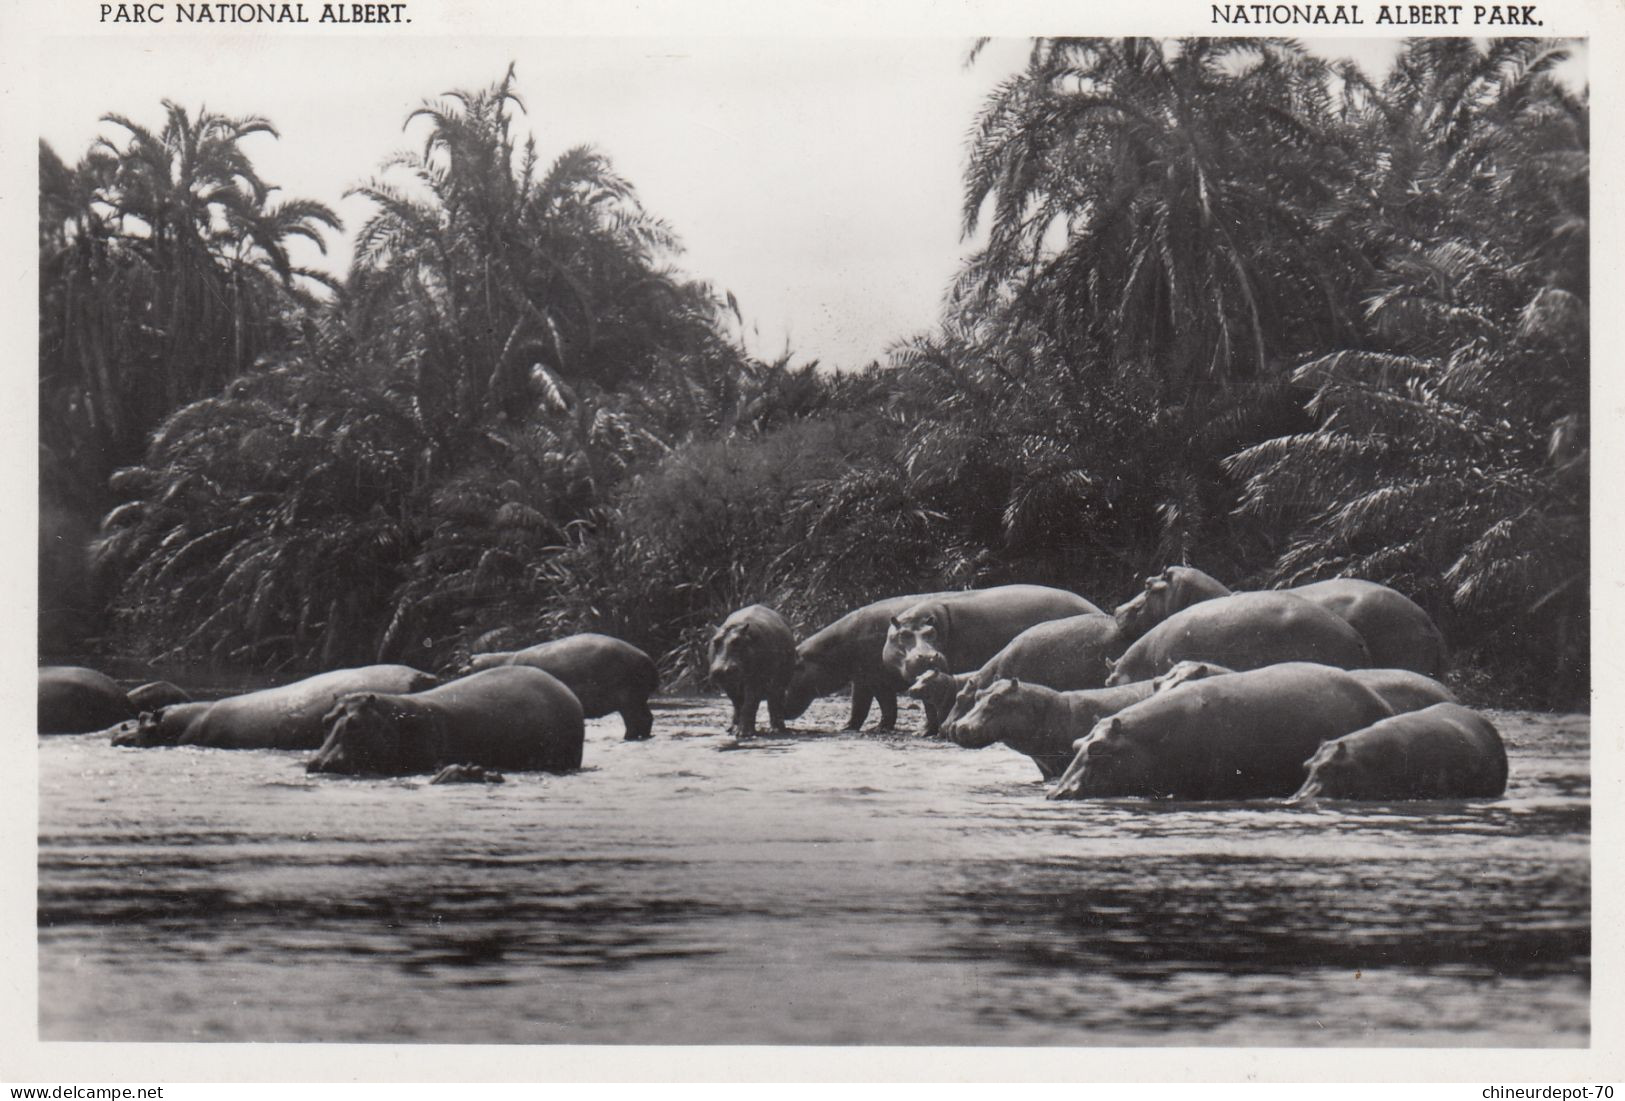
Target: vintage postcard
[[1027, 541]]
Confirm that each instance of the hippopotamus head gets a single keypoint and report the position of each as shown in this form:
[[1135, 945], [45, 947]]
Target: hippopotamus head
[[1149, 607], [1334, 773], [1173, 590], [998, 710], [729, 653], [936, 688], [1184, 672], [146, 730], [1109, 762], [805, 680], [365, 735], [915, 644]]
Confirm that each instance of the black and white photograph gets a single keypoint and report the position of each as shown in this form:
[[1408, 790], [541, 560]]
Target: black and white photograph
[[1065, 533]]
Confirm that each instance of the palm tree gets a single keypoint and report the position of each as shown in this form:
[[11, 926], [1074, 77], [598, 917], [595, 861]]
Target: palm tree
[[1451, 454], [164, 273]]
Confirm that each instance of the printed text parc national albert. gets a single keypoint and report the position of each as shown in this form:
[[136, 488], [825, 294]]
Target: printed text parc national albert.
[[254, 13]]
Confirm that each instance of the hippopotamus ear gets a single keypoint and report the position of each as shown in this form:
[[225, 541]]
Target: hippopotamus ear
[[1014, 683], [894, 622]]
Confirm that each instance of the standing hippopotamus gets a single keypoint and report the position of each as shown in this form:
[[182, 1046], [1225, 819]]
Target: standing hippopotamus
[[1064, 654], [962, 631], [1039, 721], [753, 655], [1397, 633], [1440, 752], [76, 700], [848, 651], [288, 717], [514, 717], [605, 674], [1243, 631], [1239, 736]]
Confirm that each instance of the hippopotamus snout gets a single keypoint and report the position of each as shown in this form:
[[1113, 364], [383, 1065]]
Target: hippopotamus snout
[[918, 662]]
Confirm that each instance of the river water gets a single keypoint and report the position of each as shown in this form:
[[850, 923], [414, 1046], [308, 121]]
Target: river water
[[814, 888]]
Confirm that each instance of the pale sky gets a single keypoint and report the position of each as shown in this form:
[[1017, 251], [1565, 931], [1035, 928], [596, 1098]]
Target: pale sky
[[817, 179]]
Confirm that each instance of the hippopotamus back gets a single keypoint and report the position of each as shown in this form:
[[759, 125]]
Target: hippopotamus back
[[1238, 736], [1398, 634], [961, 632], [76, 700], [1244, 631], [290, 716], [605, 673], [1440, 752]]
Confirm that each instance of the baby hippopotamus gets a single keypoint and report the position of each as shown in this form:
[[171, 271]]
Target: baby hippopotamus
[[753, 655], [1441, 752]]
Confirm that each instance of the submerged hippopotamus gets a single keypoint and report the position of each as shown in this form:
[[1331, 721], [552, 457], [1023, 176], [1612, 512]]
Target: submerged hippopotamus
[[753, 655], [1038, 721], [287, 717], [848, 651], [1064, 654], [514, 717], [1244, 735], [1243, 631], [76, 700], [963, 631], [1440, 752], [1397, 633], [606, 675]]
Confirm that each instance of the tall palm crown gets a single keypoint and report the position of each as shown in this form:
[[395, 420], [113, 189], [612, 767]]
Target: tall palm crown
[[1127, 203]]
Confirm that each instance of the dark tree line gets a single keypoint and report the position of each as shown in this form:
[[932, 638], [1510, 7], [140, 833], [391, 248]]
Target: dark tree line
[[1228, 304]]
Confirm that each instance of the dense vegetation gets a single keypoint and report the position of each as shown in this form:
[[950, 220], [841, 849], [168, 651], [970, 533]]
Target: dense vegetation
[[1227, 304]]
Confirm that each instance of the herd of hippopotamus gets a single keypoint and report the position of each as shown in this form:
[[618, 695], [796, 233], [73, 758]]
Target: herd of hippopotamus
[[1188, 691]]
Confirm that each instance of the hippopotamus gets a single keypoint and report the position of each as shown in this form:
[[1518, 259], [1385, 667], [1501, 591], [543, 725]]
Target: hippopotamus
[[1243, 631], [288, 717], [156, 694], [1038, 721], [513, 717], [1440, 752], [848, 651], [76, 700], [962, 631], [1398, 634], [753, 655], [605, 673], [1244, 735], [1400, 689], [1183, 672], [1164, 594], [1064, 654]]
